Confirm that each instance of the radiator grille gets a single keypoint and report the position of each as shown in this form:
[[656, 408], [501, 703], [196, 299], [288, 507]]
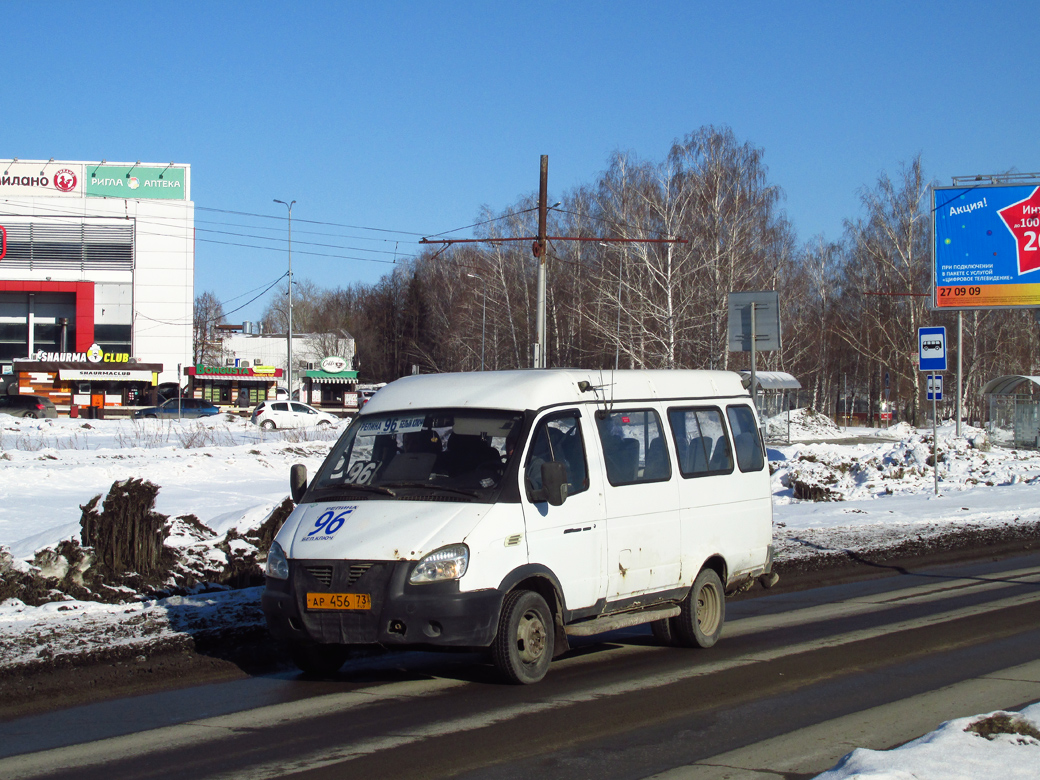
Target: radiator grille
[[356, 570], [322, 574]]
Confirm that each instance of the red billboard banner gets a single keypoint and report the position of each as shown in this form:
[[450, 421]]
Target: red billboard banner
[[1023, 220]]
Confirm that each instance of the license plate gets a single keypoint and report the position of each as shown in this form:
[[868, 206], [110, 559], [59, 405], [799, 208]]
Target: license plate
[[339, 601]]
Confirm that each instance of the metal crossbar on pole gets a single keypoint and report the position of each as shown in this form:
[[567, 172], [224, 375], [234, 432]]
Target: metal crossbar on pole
[[539, 248]]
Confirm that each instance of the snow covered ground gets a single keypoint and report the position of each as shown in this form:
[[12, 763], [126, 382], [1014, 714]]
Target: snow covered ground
[[222, 470], [830, 496]]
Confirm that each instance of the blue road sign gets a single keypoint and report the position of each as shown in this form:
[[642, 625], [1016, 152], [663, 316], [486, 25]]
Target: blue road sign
[[935, 387], [931, 345]]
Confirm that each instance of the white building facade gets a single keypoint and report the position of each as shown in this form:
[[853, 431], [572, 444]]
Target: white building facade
[[97, 253]]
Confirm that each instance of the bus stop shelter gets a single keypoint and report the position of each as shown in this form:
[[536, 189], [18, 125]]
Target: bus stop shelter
[[776, 393], [1013, 410]]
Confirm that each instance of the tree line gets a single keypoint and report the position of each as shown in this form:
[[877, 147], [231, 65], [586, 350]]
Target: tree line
[[850, 308]]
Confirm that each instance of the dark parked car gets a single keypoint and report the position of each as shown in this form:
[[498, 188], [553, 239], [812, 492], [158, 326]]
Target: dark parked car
[[27, 406], [190, 408], [168, 390]]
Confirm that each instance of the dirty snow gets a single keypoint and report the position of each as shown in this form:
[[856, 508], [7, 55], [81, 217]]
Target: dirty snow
[[873, 488], [955, 751]]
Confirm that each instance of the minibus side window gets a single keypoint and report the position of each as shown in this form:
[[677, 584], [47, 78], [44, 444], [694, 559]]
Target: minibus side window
[[558, 438], [746, 438], [634, 448], [701, 444]]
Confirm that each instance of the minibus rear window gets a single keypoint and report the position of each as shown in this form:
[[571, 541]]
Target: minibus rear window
[[633, 446], [746, 439], [701, 446]]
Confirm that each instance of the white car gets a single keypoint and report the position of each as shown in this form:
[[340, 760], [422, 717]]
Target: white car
[[290, 414]]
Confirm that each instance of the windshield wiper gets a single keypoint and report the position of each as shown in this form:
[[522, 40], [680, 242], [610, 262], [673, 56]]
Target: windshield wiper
[[362, 488], [425, 486]]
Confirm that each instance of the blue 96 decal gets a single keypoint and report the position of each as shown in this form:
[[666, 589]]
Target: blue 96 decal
[[328, 522]]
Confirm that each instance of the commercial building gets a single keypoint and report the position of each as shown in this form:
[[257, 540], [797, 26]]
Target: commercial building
[[96, 258], [247, 363]]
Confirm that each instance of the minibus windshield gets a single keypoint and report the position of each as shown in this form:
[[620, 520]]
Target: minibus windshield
[[452, 454]]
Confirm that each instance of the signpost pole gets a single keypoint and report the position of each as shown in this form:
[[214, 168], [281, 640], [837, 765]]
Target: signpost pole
[[960, 351], [935, 436], [179, 393], [754, 388], [931, 347]]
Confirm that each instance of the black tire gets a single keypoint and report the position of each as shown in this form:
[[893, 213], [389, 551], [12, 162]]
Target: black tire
[[268, 425], [664, 632], [317, 660], [324, 425], [152, 417], [30, 415], [523, 647], [702, 612]]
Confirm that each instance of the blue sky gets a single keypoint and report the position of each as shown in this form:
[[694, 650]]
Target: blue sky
[[408, 117]]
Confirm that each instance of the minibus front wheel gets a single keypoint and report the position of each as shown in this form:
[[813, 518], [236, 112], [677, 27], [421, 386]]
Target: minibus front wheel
[[702, 612], [523, 646], [317, 660]]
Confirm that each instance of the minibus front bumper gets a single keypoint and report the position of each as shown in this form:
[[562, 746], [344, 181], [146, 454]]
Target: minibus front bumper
[[398, 613]]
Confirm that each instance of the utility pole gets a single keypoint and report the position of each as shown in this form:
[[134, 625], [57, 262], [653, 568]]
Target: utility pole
[[483, 317], [288, 365], [540, 247]]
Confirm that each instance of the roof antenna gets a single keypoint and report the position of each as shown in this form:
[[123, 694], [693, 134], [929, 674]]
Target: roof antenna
[[601, 414]]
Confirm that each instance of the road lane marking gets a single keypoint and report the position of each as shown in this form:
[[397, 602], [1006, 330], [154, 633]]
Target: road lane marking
[[860, 605], [213, 729], [817, 748]]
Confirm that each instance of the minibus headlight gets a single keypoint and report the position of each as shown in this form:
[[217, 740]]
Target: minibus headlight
[[447, 563], [277, 564]]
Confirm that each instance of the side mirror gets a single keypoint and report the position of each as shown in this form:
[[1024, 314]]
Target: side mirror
[[554, 482], [297, 482]]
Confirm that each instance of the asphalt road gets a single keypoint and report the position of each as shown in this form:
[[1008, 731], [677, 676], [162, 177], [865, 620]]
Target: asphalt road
[[797, 681]]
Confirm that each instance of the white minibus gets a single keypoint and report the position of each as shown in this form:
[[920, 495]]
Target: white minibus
[[512, 510]]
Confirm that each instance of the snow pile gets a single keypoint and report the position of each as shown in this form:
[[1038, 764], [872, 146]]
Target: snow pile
[[827, 472], [805, 424], [999, 745]]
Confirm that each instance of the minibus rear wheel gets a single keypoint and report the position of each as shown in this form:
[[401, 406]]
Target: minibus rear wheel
[[523, 646], [317, 660], [702, 612]]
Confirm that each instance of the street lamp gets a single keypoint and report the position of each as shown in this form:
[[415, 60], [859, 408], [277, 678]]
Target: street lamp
[[483, 317], [288, 365]]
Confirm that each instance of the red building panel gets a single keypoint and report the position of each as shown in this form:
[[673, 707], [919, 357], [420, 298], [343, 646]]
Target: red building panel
[[84, 292]]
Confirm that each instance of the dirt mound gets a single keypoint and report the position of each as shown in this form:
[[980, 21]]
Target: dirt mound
[[246, 554], [128, 535], [124, 554]]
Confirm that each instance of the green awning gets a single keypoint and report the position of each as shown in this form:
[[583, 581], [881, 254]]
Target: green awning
[[343, 377]]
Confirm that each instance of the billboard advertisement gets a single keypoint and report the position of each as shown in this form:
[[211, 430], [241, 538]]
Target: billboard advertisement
[[135, 181], [987, 246], [31, 178]]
